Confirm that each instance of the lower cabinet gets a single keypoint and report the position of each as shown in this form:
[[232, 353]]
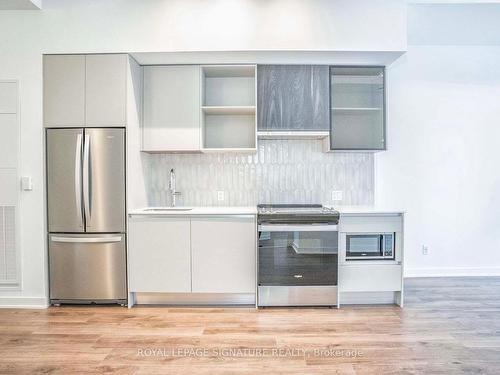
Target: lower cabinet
[[192, 254], [370, 278], [366, 280], [159, 255], [223, 255]]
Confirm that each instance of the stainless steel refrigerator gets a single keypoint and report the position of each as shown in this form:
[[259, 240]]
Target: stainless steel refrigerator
[[86, 215]]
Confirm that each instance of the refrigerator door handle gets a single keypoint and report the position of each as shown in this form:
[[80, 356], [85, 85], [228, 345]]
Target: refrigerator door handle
[[86, 178], [78, 178], [86, 239]]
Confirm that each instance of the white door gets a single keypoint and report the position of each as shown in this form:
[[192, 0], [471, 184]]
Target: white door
[[223, 254], [171, 108], [106, 90], [159, 255], [63, 90]]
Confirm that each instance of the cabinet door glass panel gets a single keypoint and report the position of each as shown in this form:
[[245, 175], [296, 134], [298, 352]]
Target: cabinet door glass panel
[[298, 258], [357, 108]]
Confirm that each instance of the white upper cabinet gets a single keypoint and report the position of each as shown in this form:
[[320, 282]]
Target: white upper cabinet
[[223, 254], [85, 90], [64, 90], [106, 90], [171, 108]]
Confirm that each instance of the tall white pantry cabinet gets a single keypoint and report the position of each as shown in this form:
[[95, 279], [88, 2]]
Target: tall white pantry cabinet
[[85, 90]]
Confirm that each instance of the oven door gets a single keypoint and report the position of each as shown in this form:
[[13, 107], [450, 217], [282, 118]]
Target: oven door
[[297, 265]]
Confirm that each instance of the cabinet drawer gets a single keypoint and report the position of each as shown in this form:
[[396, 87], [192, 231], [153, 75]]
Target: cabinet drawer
[[373, 223], [370, 278]]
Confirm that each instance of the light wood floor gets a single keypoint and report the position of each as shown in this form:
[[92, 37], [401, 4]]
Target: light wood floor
[[448, 326]]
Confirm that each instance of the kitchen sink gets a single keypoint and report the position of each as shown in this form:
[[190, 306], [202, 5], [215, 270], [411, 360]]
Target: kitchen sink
[[163, 209]]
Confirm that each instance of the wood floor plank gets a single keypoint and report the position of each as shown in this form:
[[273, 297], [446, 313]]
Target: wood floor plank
[[448, 326]]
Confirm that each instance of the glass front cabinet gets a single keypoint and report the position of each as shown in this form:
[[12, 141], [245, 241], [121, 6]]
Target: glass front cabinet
[[357, 108]]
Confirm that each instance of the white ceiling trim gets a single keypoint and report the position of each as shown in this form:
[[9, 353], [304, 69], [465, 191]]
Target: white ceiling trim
[[268, 57]]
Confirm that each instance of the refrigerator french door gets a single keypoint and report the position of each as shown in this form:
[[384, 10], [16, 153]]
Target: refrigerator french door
[[86, 215]]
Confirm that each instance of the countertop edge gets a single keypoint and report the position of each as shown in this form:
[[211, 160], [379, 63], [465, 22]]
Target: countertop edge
[[198, 211], [252, 210], [368, 210]]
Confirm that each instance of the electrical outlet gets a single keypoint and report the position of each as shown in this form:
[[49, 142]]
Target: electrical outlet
[[425, 249], [336, 195], [220, 195]]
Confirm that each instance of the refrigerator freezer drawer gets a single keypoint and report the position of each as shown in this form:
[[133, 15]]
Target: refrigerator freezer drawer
[[87, 268]]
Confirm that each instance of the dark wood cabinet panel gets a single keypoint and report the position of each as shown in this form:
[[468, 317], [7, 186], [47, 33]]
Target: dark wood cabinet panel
[[293, 97]]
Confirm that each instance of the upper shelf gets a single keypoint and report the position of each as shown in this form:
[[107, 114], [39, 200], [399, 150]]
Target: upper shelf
[[228, 110]]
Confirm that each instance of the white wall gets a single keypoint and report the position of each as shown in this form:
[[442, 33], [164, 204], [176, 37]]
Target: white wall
[[159, 25], [442, 162], [443, 104]]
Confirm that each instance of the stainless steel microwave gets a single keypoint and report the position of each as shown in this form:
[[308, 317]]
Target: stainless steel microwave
[[370, 246]]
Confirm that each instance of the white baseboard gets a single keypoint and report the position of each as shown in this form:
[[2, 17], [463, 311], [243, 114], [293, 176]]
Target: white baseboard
[[451, 271], [23, 303]]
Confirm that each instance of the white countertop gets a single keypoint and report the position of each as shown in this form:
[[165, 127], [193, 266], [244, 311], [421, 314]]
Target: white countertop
[[358, 210], [251, 210]]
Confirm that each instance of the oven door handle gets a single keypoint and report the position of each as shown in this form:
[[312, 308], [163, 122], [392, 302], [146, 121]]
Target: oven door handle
[[298, 228]]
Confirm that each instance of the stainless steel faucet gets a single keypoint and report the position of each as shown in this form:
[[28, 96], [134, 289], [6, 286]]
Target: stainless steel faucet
[[171, 186]]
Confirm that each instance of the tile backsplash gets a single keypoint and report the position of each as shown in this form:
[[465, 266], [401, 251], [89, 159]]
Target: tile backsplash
[[282, 171]]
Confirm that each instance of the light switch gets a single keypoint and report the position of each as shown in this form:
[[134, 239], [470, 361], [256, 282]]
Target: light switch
[[26, 183], [220, 195]]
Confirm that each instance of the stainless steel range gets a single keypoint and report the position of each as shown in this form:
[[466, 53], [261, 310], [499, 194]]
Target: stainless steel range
[[298, 255]]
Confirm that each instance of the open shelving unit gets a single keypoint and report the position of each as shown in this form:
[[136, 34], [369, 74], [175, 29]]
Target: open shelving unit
[[228, 108]]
